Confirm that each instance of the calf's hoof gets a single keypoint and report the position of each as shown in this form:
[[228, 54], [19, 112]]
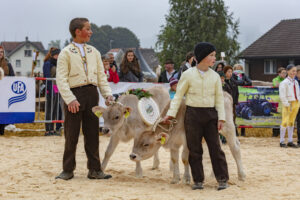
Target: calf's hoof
[[139, 175], [187, 180], [242, 177], [175, 181], [155, 166]]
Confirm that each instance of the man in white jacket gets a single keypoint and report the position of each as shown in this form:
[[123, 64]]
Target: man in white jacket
[[289, 96]]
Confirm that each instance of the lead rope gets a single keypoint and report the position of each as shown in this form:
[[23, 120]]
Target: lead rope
[[159, 120]]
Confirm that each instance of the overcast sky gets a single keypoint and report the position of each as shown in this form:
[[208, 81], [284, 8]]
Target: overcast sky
[[46, 20]]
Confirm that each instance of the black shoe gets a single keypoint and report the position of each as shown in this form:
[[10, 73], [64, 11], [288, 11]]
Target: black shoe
[[50, 133], [298, 145], [65, 175], [223, 185], [98, 175], [282, 145], [291, 144], [197, 186], [56, 133]]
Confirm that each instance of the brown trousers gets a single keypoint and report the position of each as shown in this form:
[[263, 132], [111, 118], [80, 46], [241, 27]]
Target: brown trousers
[[88, 97], [199, 123]]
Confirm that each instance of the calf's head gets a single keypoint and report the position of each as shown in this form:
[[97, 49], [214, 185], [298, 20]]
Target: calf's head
[[114, 116], [147, 144]]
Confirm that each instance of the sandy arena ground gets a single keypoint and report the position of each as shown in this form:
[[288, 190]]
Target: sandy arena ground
[[29, 164]]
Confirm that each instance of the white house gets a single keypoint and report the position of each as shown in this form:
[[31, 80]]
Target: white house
[[20, 55]]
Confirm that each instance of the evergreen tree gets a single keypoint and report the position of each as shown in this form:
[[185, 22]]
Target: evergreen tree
[[54, 43], [193, 21], [106, 37]]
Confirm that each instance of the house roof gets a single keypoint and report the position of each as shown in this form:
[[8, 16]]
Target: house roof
[[283, 40], [11, 47]]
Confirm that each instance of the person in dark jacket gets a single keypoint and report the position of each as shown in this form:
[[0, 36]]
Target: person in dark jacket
[[240, 77], [112, 62], [234, 89], [53, 108], [8, 71], [225, 86], [219, 66], [130, 70], [189, 62], [168, 73], [297, 78]]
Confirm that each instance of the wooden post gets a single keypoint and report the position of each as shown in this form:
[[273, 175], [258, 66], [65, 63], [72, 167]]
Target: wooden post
[[35, 56]]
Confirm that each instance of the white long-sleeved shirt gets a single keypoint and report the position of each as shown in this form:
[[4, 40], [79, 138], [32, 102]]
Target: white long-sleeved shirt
[[286, 91]]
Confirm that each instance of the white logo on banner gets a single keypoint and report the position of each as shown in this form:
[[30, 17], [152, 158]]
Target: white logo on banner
[[19, 88]]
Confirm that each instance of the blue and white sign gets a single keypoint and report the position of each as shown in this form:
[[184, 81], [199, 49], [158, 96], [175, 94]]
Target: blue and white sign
[[19, 88], [17, 100]]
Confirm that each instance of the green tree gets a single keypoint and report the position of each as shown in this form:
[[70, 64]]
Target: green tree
[[105, 37], [54, 43], [193, 21]]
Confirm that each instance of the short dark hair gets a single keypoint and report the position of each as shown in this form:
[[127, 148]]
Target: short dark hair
[[226, 68], [280, 69], [189, 55], [169, 61], [77, 23]]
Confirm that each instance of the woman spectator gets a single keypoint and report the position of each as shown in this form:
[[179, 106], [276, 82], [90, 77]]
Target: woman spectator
[[5, 65], [53, 108], [189, 62], [239, 76], [130, 70], [8, 71], [234, 89], [219, 66]]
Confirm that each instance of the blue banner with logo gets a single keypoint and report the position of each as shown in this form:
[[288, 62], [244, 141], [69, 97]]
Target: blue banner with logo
[[17, 100]]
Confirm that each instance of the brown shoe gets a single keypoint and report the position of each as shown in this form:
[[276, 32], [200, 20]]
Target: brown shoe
[[98, 175]]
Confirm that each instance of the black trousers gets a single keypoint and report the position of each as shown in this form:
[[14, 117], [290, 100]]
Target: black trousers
[[88, 97], [199, 123]]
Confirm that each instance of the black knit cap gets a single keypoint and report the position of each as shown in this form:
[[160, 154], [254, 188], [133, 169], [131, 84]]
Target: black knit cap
[[55, 52], [202, 50]]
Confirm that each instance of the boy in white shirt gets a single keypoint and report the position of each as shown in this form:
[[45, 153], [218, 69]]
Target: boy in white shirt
[[289, 96]]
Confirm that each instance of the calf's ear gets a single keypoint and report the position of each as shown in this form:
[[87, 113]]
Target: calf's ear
[[162, 137], [98, 111], [127, 111]]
